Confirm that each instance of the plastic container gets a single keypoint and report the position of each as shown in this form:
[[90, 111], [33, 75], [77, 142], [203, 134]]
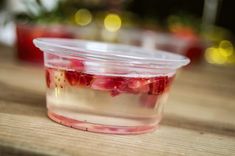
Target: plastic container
[[107, 88]]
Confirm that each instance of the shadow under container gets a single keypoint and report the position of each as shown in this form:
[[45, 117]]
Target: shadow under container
[[107, 88]]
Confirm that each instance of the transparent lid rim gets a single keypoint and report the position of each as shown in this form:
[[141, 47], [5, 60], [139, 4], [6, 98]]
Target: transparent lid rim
[[49, 44]]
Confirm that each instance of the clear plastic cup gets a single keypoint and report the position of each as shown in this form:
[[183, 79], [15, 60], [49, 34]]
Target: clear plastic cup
[[106, 88]]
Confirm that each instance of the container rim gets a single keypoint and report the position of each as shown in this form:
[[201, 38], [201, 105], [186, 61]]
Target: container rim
[[110, 52]]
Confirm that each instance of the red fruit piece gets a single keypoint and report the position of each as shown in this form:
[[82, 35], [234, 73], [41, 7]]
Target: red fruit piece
[[115, 92], [48, 79], [138, 85], [77, 64], [75, 77], [104, 83], [59, 78], [72, 77], [108, 84], [85, 79], [158, 86]]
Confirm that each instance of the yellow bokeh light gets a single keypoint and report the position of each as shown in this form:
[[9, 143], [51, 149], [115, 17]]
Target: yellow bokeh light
[[83, 17], [221, 54], [112, 22], [213, 55], [226, 48]]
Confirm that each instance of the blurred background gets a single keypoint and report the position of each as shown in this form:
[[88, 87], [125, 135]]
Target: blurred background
[[200, 112], [203, 30]]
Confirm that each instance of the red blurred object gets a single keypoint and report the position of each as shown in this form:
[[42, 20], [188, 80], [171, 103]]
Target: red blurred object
[[188, 45], [184, 42], [25, 33], [195, 48], [195, 52]]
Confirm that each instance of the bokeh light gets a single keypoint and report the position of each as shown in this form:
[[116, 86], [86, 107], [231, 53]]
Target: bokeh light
[[112, 22], [221, 54], [226, 48], [213, 56], [83, 17]]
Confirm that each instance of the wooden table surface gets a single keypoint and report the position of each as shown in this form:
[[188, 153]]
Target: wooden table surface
[[199, 117]]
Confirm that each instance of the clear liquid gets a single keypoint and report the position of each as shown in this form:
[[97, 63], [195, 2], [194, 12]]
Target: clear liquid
[[86, 107]]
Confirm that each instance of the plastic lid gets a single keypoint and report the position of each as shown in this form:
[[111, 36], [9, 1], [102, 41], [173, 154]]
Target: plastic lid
[[113, 59], [108, 51]]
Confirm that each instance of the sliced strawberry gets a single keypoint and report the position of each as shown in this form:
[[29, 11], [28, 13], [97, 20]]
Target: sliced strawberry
[[142, 89], [103, 83], [59, 78], [158, 86], [114, 92], [48, 78], [121, 85], [75, 77], [85, 79], [72, 77], [106, 83], [139, 85]]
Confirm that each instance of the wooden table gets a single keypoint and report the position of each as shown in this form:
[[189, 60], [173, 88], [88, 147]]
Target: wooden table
[[199, 117]]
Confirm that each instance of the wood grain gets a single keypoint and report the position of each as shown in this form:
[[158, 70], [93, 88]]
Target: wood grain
[[199, 117], [38, 134]]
